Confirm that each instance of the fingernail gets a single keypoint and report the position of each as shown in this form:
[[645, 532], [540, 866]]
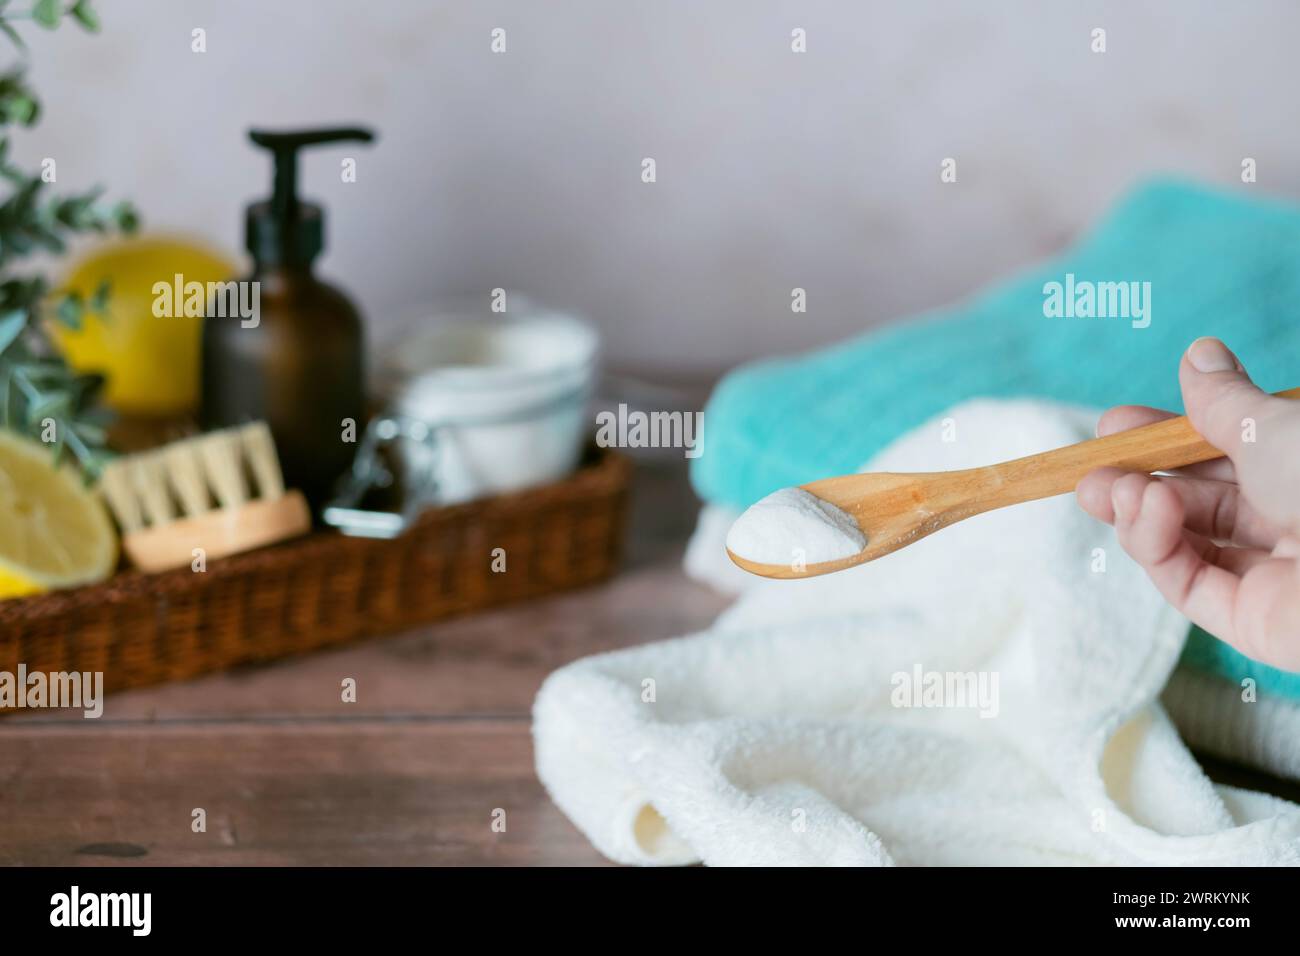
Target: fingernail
[[1208, 354], [1117, 504], [1124, 502]]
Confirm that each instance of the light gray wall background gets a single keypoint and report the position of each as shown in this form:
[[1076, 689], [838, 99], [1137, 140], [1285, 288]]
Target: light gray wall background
[[775, 169]]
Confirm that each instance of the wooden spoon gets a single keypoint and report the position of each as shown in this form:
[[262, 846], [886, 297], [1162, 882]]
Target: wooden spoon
[[894, 510]]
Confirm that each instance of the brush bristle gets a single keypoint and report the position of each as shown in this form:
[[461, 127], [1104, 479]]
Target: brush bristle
[[115, 485], [186, 475], [184, 478], [259, 447], [222, 461], [148, 477]]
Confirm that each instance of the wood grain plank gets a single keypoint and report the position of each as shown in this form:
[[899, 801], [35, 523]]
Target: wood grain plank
[[365, 792]]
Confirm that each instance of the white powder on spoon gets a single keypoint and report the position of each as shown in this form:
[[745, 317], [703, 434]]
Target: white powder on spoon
[[773, 530]]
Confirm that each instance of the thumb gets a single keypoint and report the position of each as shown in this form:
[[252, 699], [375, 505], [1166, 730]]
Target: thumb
[[1258, 432]]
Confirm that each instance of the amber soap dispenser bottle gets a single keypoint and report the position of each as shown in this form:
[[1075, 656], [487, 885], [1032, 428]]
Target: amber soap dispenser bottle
[[298, 362]]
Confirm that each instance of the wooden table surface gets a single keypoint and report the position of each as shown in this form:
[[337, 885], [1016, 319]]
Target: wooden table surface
[[412, 773]]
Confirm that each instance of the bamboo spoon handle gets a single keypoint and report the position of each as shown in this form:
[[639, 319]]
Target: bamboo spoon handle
[[1173, 443]]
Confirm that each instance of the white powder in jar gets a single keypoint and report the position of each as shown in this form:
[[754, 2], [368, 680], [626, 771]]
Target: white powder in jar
[[793, 524]]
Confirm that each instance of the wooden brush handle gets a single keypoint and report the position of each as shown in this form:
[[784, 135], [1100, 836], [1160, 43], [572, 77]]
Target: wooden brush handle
[[1166, 445], [221, 532]]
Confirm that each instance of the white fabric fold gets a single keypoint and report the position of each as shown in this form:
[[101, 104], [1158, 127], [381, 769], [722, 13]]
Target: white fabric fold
[[782, 734], [1217, 717]]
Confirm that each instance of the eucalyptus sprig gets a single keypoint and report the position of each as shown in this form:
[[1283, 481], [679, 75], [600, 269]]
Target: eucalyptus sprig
[[39, 394]]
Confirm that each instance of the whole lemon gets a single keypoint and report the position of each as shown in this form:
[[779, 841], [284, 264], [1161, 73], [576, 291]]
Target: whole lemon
[[151, 363]]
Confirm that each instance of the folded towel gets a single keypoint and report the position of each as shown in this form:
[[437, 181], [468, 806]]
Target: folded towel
[[1252, 719], [783, 734], [1218, 264], [1245, 724]]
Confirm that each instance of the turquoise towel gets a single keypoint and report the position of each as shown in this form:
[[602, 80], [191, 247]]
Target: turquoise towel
[[1218, 263], [1205, 652]]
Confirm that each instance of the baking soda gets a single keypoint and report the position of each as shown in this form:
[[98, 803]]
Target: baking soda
[[792, 526]]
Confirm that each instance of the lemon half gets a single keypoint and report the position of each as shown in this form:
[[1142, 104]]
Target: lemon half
[[54, 531]]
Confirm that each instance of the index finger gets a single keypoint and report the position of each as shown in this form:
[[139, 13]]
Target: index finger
[[1121, 418]]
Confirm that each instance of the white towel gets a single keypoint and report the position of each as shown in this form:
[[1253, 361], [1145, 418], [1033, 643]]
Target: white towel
[[774, 737], [1214, 715]]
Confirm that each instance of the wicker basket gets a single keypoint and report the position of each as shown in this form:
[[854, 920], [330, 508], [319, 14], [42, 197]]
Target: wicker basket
[[325, 589]]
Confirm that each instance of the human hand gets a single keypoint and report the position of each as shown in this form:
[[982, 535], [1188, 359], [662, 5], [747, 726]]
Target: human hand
[[1220, 540]]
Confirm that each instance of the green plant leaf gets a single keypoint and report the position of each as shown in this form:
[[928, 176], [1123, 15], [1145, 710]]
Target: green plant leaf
[[21, 109], [125, 216], [91, 434], [99, 415], [13, 35], [99, 298], [11, 326], [38, 375], [36, 383], [47, 13], [85, 14], [50, 406], [18, 104], [69, 311]]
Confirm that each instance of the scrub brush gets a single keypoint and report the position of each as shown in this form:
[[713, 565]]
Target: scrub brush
[[196, 494]]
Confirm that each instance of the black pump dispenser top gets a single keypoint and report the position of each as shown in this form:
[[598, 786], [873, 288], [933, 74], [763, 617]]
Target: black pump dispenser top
[[284, 230]]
